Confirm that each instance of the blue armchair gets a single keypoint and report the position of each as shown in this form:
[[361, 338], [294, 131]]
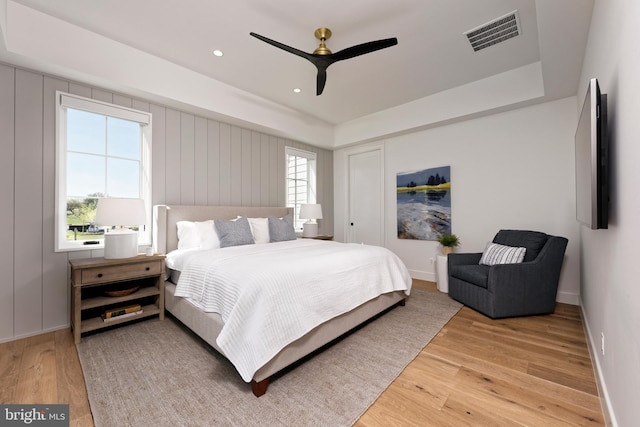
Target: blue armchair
[[508, 290]]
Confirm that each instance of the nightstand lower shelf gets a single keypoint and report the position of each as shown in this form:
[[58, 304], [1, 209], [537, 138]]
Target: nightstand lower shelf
[[96, 323]]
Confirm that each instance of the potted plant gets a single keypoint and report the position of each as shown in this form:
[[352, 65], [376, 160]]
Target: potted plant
[[448, 242]]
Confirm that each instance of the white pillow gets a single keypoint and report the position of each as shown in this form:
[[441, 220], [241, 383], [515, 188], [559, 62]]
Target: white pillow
[[208, 236], [501, 254], [259, 229], [198, 234], [187, 235]]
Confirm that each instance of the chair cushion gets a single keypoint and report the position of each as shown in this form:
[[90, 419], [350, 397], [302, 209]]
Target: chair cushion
[[501, 254], [532, 240], [474, 273]]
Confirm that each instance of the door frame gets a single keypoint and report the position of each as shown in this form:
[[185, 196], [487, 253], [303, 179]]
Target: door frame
[[347, 194]]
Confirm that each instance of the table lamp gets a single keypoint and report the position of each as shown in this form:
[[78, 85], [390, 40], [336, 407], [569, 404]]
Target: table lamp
[[117, 212], [310, 212]]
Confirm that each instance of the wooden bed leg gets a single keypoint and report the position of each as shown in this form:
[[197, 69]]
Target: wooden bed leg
[[403, 302], [259, 388]]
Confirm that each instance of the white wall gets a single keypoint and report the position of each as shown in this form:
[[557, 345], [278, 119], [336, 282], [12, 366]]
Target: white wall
[[509, 170], [610, 292]]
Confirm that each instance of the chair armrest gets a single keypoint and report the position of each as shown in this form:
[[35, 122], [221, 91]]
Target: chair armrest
[[463, 259], [532, 283], [527, 287], [544, 269], [511, 276]]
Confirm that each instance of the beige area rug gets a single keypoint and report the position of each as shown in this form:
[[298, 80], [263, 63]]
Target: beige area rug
[[157, 373]]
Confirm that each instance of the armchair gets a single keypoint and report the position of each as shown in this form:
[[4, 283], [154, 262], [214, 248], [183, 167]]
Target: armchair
[[507, 290]]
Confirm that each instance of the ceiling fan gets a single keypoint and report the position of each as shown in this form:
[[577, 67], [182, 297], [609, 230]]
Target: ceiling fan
[[322, 56]]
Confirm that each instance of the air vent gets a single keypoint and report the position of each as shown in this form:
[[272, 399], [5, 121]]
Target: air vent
[[494, 32]]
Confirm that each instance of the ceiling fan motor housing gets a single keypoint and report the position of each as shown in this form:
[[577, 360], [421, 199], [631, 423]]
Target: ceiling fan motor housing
[[322, 34]]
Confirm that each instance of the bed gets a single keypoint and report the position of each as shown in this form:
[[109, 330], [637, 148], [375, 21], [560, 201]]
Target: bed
[[188, 303]]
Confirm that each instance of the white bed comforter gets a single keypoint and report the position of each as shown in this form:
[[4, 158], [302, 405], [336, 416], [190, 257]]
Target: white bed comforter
[[269, 295]]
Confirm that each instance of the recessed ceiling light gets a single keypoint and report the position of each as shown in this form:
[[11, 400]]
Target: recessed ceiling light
[[297, 90], [218, 52]]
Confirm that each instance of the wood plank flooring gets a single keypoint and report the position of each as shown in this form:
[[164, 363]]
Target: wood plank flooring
[[45, 369], [533, 371]]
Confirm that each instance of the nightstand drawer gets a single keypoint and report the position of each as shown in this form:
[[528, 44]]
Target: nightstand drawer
[[120, 272]]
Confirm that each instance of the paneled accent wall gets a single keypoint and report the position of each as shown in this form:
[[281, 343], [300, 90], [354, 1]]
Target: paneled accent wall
[[196, 160]]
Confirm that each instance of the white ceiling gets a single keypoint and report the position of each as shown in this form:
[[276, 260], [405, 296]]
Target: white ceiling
[[431, 58]]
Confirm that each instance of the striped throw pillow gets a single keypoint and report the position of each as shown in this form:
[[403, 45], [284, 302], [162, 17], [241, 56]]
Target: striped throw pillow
[[500, 254]]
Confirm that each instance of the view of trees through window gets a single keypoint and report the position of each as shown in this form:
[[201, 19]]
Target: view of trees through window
[[80, 215]]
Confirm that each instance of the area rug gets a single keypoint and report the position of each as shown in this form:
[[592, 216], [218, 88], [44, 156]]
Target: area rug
[[157, 373]]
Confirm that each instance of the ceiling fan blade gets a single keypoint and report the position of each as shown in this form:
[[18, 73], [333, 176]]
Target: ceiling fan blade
[[361, 49], [321, 80], [289, 49]]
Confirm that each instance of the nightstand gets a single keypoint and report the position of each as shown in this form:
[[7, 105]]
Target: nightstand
[[92, 277]]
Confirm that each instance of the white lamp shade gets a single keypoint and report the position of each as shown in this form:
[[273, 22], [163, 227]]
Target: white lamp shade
[[311, 211], [120, 243], [112, 211]]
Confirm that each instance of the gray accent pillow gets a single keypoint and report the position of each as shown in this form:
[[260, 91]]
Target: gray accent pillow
[[501, 254], [234, 233], [281, 230]]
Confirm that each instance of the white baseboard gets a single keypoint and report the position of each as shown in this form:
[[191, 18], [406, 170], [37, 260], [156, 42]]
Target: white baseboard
[[33, 334], [568, 298], [605, 402], [429, 276]]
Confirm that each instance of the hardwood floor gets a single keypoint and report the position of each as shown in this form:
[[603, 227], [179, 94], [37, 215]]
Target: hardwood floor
[[45, 369], [532, 371]]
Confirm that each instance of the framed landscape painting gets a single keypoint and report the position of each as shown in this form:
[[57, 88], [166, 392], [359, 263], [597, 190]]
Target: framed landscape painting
[[424, 203]]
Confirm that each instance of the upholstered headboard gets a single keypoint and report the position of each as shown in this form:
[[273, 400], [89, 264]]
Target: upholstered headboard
[[165, 231]]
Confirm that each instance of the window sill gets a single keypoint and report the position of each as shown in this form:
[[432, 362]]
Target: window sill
[[81, 246]]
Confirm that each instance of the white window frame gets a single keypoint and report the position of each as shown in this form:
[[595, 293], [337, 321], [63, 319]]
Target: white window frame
[[311, 182], [64, 101]]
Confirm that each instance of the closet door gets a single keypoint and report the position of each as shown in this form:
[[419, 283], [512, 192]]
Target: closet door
[[366, 197]]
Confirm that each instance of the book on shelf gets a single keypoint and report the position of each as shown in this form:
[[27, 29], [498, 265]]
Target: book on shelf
[[119, 311], [121, 316]]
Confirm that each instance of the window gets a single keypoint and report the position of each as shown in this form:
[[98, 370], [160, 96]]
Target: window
[[301, 181], [102, 150]]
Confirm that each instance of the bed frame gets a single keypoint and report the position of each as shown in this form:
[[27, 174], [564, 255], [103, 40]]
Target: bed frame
[[208, 325]]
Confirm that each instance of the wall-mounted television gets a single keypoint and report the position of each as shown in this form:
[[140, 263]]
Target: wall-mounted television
[[592, 160]]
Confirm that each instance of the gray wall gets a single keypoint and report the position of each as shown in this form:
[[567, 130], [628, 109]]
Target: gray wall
[[195, 161], [609, 291]]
